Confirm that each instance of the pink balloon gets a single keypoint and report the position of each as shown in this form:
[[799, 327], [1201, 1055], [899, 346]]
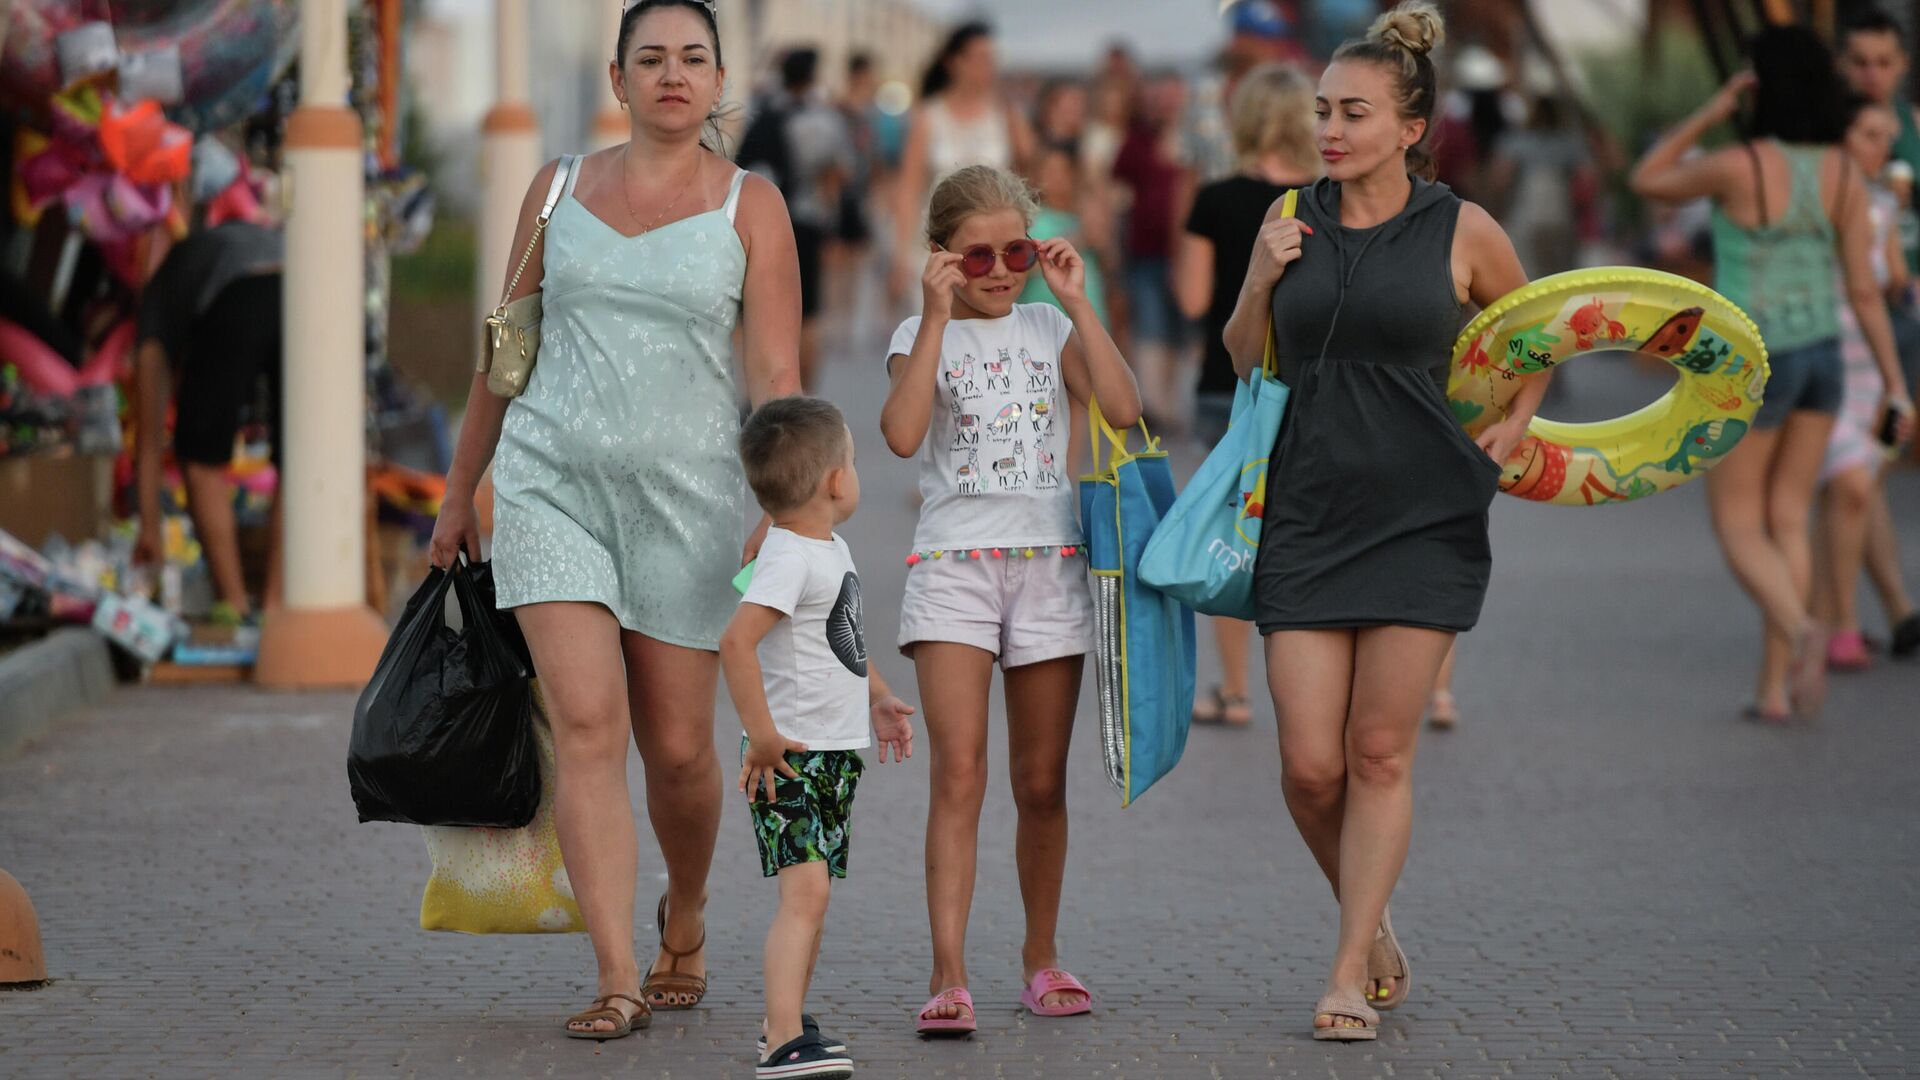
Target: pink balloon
[[43, 369]]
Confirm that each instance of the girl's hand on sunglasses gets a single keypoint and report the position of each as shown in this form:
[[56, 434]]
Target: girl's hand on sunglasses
[[1064, 270], [942, 277]]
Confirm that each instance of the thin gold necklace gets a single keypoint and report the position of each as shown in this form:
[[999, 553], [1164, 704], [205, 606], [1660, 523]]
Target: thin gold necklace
[[626, 195]]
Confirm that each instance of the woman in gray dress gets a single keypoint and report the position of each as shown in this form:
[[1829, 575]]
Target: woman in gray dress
[[1374, 550], [621, 504]]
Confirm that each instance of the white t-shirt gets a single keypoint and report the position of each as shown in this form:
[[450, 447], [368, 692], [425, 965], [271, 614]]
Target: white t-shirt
[[993, 468], [813, 663]]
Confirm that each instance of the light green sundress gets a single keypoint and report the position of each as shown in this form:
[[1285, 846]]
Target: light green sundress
[[619, 479]]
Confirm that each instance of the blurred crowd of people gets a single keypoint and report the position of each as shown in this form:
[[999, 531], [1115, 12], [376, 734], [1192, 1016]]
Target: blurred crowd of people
[[1129, 164], [1162, 181]]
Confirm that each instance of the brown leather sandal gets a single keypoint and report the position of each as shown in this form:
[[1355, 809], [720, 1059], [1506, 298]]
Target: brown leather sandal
[[658, 987], [623, 1025]]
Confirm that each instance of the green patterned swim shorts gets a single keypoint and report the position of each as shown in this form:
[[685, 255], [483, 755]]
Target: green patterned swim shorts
[[809, 821]]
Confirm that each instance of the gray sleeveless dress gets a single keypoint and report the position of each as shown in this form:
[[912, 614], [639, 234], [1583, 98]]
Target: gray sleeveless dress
[[1377, 500], [619, 479]]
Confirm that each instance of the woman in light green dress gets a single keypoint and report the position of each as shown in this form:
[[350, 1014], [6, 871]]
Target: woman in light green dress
[[620, 502]]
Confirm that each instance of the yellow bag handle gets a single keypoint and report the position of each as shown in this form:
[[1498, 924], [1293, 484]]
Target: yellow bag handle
[[1098, 426], [1270, 363]]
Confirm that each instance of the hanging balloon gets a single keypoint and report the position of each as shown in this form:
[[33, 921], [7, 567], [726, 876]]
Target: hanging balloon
[[231, 51], [43, 370]]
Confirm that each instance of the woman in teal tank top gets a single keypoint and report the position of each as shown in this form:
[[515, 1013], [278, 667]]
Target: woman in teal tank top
[[620, 501], [1788, 211]]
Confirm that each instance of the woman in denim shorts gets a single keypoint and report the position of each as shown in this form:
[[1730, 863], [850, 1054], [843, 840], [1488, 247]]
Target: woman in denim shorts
[[1789, 211]]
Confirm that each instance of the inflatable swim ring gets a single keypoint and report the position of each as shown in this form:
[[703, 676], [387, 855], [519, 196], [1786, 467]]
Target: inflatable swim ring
[[1714, 346]]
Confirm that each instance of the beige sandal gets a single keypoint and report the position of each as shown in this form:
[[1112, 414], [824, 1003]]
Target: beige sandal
[[1337, 1004], [1386, 960], [672, 982], [623, 1025]]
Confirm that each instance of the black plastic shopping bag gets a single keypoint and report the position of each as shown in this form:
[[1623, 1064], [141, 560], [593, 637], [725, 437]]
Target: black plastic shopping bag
[[443, 734]]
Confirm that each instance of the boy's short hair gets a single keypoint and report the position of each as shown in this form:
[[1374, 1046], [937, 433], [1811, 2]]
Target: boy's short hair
[[1873, 21], [787, 446]]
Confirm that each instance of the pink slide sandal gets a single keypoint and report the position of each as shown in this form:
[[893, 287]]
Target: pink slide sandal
[[1052, 981], [928, 1024]]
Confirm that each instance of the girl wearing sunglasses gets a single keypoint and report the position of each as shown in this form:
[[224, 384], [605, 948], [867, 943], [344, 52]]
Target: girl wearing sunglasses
[[981, 385]]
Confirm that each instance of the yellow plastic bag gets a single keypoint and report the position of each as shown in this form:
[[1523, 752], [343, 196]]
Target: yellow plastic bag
[[503, 881]]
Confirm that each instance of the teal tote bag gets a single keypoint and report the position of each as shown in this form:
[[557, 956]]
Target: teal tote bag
[[1203, 552], [1144, 648]]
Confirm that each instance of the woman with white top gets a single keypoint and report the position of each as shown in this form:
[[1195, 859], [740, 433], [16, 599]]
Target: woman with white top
[[962, 119]]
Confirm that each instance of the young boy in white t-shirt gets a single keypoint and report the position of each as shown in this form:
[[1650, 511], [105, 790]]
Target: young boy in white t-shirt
[[795, 658]]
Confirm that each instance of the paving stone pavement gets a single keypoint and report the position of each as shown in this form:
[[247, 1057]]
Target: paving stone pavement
[[1612, 875]]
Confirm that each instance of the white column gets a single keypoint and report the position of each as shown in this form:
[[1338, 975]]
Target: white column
[[509, 155], [610, 122], [322, 634]]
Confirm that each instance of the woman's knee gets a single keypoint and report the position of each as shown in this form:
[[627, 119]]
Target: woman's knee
[[1851, 493], [1789, 517], [679, 748], [1316, 779], [1379, 756], [587, 719]]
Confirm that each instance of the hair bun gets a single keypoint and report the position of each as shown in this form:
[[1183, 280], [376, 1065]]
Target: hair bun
[[1415, 26]]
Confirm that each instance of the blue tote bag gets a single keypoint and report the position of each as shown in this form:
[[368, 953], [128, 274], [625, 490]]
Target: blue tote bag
[[1144, 646], [1203, 552]]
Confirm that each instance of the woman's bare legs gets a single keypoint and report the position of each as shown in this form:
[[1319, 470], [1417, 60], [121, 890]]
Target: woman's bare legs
[[1845, 507], [1442, 711], [672, 691], [1235, 639], [954, 683], [1349, 705], [1310, 673], [577, 651], [1393, 673], [1041, 701], [1791, 485], [1737, 497]]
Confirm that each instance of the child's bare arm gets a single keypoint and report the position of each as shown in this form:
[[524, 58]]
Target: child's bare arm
[[767, 749], [1091, 361]]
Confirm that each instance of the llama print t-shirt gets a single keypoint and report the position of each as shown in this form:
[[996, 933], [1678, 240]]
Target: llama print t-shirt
[[813, 663], [993, 469]]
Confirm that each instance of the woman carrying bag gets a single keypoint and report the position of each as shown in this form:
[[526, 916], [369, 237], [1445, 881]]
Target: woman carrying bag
[[1374, 550], [619, 488]]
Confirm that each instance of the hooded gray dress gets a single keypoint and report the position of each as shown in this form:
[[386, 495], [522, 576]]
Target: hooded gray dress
[[1376, 511]]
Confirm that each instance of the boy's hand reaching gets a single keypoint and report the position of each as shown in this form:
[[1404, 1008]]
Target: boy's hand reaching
[[892, 728], [766, 761]]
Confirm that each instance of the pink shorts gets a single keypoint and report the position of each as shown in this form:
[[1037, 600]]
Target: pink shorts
[[1021, 610]]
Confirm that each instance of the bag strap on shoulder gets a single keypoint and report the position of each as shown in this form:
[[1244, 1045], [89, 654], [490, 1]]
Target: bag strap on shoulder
[[561, 177], [1270, 362]]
